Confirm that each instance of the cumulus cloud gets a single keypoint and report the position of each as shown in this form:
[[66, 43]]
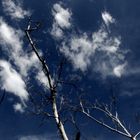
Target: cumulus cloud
[[14, 9], [62, 19], [11, 81]]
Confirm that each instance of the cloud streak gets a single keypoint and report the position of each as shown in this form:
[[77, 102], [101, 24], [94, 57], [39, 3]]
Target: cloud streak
[[39, 137], [11, 43], [11, 81], [14, 9]]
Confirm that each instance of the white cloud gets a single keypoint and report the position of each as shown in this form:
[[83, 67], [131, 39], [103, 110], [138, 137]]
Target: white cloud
[[107, 18], [11, 81], [11, 36], [56, 31], [119, 70], [79, 51], [42, 79], [62, 19], [101, 52], [62, 16], [11, 42], [26, 62], [14, 9], [18, 107]]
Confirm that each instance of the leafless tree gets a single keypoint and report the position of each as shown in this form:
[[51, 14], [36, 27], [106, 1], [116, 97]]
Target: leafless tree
[[116, 124], [52, 86], [83, 107]]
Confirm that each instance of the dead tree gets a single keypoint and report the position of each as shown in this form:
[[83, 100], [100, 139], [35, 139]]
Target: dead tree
[[118, 127], [52, 86], [84, 109]]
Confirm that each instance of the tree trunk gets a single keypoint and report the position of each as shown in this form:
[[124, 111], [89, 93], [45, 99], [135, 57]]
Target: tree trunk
[[59, 124]]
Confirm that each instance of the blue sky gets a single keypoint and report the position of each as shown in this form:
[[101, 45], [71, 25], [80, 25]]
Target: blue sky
[[100, 41]]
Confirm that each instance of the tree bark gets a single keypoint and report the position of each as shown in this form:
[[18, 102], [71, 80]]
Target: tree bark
[[58, 121]]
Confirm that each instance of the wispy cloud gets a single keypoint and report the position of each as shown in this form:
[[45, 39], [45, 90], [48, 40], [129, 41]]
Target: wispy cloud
[[18, 107], [41, 78], [61, 16], [11, 81], [62, 19], [107, 18], [99, 52], [11, 43], [79, 51], [39, 137], [119, 69], [10, 36], [14, 9]]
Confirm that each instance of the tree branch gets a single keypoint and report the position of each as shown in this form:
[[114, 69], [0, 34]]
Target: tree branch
[[51, 86]]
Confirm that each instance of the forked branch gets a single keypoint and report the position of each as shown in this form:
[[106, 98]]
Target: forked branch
[[121, 129], [49, 78]]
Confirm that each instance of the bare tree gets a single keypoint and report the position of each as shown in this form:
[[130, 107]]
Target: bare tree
[[116, 124], [83, 107], [52, 86]]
